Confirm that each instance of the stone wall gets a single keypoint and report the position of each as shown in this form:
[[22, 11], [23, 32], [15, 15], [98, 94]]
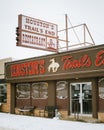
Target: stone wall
[[101, 116]]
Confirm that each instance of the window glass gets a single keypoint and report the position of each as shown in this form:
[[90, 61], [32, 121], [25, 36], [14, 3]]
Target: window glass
[[3, 93], [40, 90], [61, 88], [101, 88], [23, 91]]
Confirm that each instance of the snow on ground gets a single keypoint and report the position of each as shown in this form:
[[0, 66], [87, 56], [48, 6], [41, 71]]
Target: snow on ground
[[21, 122]]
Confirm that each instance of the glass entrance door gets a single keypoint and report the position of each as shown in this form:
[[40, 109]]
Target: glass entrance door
[[81, 98]]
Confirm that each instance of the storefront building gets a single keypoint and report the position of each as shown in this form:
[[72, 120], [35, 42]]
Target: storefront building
[[4, 106], [72, 81]]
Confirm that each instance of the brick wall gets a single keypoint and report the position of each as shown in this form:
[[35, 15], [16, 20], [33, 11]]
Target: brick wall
[[62, 103], [101, 105]]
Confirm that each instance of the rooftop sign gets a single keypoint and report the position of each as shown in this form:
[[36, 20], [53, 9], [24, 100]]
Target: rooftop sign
[[38, 34]]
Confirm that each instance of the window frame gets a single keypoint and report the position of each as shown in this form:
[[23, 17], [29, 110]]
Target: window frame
[[63, 88], [38, 90], [23, 93], [3, 92]]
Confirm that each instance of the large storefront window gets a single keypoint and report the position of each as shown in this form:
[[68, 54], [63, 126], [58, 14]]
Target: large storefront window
[[3, 93], [101, 88], [101, 94], [23, 91], [40, 90], [61, 89], [31, 94]]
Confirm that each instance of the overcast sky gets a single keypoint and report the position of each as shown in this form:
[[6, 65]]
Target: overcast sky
[[78, 11]]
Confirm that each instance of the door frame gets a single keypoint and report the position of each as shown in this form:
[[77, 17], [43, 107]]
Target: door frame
[[80, 99]]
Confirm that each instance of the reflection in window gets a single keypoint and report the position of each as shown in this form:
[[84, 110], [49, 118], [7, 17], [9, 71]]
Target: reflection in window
[[101, 87], [61, 88], [3, 93], [75, 90], [23, 91], [40, 90], [87, 90]]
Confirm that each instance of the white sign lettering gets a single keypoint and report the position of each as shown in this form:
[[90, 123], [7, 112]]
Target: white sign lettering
[[33, 40]]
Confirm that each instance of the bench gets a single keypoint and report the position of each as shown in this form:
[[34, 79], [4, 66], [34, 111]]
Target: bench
[[27, 110], [49, 111]]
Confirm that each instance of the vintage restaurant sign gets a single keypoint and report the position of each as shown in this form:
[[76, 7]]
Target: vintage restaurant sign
[[38, 34], [70, 63]]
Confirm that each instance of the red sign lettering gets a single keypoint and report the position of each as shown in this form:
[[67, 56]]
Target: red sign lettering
[[99, 58], [28, 68], [70, 63]]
